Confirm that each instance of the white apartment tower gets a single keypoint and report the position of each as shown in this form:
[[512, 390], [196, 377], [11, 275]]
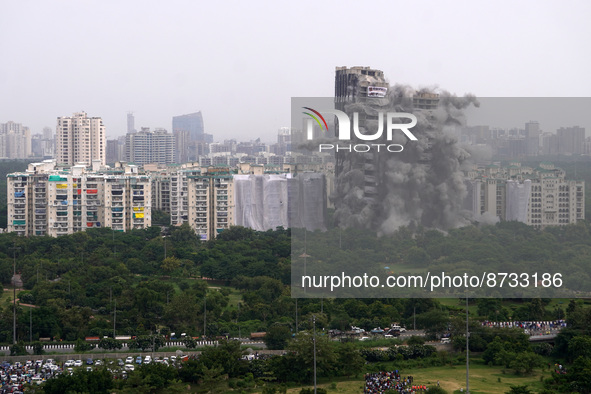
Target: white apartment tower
[[80, 139]]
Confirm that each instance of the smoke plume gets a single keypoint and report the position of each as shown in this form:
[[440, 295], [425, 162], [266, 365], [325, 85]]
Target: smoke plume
[[422, 185]]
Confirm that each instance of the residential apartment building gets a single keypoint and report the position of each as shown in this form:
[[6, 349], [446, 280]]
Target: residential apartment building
[[211, 202], [145, 146], [46, 200], [15, 141], [80, 139], [539, 197]]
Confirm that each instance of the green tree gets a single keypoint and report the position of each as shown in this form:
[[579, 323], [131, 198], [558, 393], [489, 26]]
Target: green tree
[[189, 342], [18, 349], [303, 347], [525, 362], [415, 340], [227, 357], [109, 344], [277, 337], [38, 348], [95, 382], [82, 346], [579, 346], [192, 371], [519, 390], [170, 264], [349, 360]]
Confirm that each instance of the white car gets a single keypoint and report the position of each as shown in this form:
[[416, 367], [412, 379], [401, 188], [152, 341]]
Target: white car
[[129, 360], [78, 363], [69, 363], [445, 340], [364, 339], [147, 359], [129, 367]]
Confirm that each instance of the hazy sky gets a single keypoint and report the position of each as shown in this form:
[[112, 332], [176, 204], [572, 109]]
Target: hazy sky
[[240, 62]]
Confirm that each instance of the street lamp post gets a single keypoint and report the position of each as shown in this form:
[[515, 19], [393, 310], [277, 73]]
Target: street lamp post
[[14, 249], [467, 350], [314, 340]]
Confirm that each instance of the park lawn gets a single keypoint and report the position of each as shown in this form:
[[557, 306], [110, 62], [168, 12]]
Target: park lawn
[[234, 298], [483, 379]]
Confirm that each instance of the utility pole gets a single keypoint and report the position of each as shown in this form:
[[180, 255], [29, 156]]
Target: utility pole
[[205, 315], [414, 317], [296, 308], [115, 320], [467, 351], [314, 339], [14, 249]]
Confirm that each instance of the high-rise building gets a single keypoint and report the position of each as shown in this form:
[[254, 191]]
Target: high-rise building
[[116, 150], [46, 200], [188, 129], [80, 139], [571, 140], [192, 123], [15, 141], [147, 146], [48, 142], [532, 138], [539, 197], [130, 122]]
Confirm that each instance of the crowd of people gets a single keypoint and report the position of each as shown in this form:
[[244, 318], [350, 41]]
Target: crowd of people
[[383, 381], [531, 326]]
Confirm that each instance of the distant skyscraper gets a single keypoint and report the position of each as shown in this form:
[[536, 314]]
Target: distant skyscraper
[[130, 122], [571, 140], [80, 139], [187, 129], [48, 142], [193, 123], [15, 141], [532, 138], [115, 150]]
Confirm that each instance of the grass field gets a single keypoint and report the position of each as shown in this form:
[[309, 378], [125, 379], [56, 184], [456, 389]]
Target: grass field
[[483, 379]]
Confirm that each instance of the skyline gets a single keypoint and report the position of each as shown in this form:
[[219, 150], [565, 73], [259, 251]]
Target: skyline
[[241, 64]]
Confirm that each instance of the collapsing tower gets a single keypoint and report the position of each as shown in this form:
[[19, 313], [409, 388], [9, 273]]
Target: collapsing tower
[[421, 185]]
